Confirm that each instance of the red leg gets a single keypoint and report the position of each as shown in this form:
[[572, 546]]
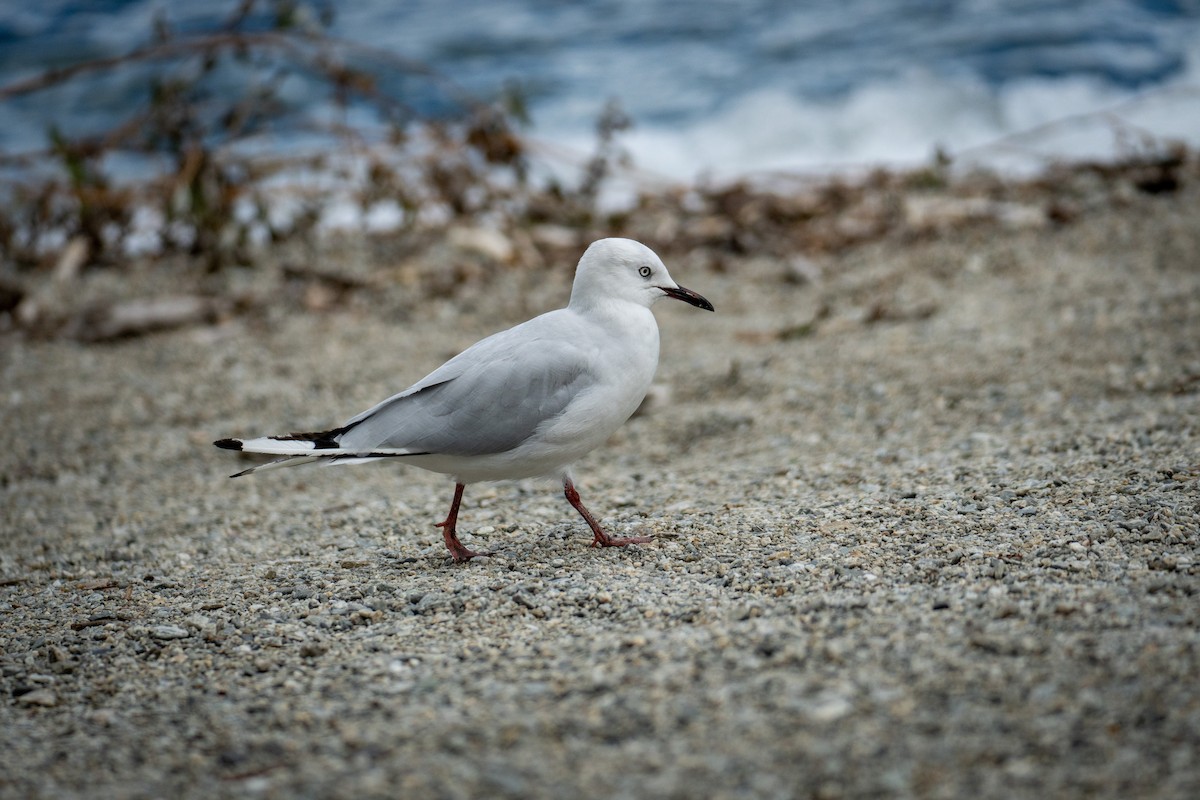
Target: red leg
[[449, 533], [602, 539]]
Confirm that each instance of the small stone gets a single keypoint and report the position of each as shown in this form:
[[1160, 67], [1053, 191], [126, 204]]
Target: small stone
[[313, 649], [44, 697], [741, 611], [487, 242], [432, 603], [521, 600], [167, 632], [827, 707], [1163, 563]]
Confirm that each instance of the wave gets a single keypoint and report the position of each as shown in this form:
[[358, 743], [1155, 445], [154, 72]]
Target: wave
[[1018, 127]]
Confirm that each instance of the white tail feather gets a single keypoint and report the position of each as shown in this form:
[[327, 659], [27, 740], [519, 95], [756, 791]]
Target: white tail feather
[[297, 451], [271, 446], [277, 447], [279, 463]]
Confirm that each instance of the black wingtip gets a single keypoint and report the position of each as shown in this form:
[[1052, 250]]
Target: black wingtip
[[229, 444]]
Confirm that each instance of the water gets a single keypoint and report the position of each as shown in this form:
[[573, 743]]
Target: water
[[727, 88]]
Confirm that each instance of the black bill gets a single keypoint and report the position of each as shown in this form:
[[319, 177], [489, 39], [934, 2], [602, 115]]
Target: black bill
[[687, 296]]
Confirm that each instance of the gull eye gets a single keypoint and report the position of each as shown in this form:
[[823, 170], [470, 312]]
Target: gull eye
[[644, 272]]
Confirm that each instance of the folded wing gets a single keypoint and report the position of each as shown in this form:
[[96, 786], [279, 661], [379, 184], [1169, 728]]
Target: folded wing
[[489, 399]]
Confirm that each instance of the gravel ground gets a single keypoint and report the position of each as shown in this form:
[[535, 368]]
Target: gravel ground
[[925, 526]]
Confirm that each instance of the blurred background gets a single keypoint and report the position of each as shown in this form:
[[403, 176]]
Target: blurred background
[[146, 126], [718, 88]]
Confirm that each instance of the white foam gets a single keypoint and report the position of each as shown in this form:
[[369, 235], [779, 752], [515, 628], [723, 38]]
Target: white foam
[[1018, 128]]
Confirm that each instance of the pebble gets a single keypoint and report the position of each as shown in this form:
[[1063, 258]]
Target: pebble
[[44, 697], [167, 632]]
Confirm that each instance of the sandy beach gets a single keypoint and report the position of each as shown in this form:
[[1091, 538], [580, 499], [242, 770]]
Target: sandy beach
[[924, 513]]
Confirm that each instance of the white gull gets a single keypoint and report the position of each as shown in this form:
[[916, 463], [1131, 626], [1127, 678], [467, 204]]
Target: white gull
[[526, 402]]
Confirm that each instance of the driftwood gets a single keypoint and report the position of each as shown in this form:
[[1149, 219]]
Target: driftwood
[[144, 315]]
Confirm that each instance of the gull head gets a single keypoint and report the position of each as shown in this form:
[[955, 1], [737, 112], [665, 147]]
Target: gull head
[[616, 270]]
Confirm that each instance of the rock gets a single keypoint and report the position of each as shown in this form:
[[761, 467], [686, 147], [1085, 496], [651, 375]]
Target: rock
[[924, 214], [44, 697], [107, 321], [554, 237], [168, 632], [487, 242]]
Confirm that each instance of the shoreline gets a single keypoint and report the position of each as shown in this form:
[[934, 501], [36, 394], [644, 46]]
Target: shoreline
[[718, 228], [924, 508]]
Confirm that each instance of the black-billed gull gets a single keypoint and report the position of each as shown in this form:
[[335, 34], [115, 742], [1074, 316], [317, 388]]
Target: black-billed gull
[[526, 402]]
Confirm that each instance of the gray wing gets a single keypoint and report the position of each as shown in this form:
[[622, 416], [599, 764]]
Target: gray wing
[[488, 399]]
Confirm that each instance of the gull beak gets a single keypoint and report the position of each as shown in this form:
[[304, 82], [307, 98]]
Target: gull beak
[[687, 296]]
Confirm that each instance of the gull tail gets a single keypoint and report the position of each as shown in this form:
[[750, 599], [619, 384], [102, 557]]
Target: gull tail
[[305, 448]]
